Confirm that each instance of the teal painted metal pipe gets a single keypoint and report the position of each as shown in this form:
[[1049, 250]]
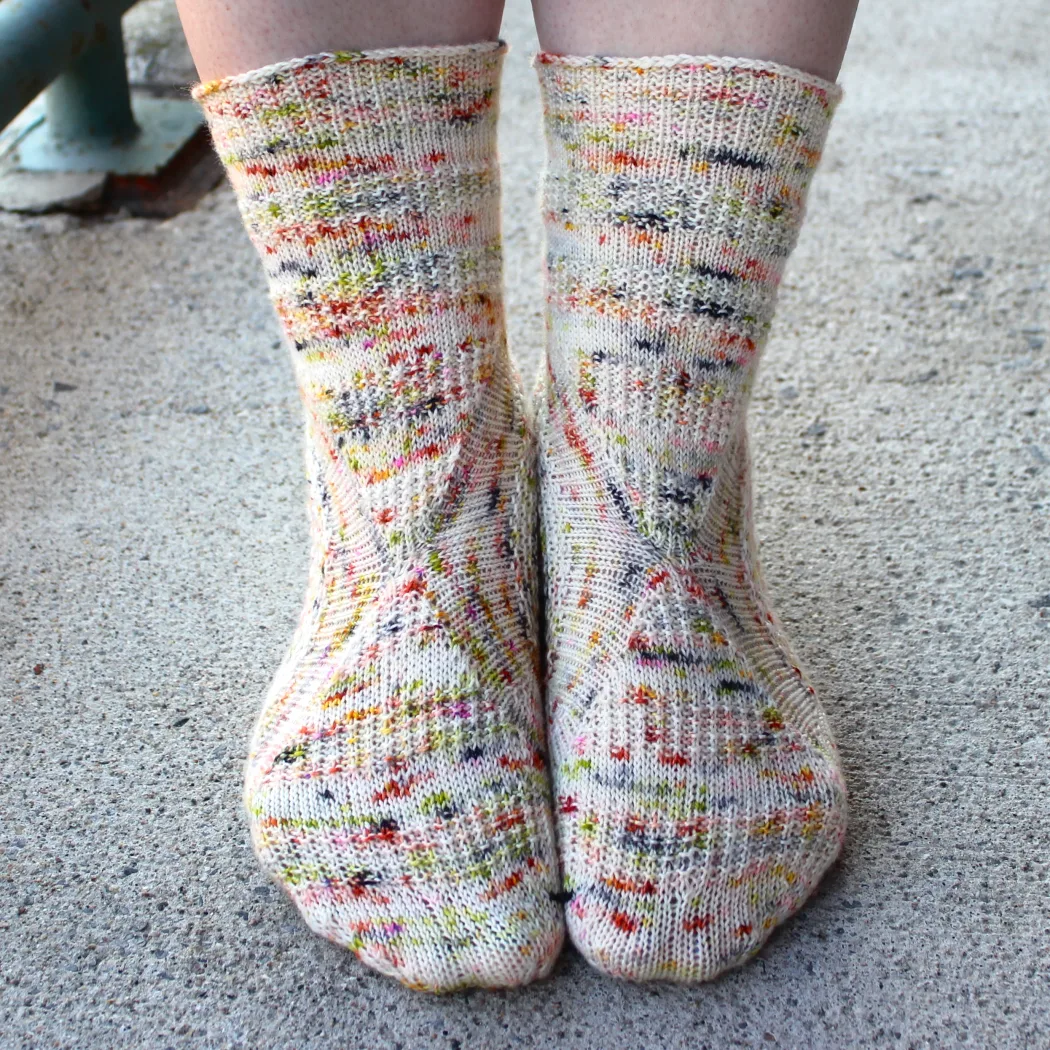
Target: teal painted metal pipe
[[40, 40], [91, 101]]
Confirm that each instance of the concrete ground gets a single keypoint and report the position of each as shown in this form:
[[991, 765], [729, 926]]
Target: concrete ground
[[152, 559]]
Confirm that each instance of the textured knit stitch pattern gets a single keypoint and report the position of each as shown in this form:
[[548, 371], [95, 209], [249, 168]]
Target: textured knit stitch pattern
[[699, 795], [397, 783]]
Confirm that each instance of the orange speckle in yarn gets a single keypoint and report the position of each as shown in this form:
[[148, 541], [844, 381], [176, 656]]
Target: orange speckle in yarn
[[499, 888], [504, 821], [697, 923], [646, 888], [622, 921], [673, 758], [640, 694]]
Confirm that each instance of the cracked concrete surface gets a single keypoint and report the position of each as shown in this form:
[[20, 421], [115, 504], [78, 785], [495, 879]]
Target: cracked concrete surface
[[152, 560]]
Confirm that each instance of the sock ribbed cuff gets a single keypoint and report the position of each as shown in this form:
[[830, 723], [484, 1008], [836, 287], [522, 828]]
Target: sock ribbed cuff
[[278, 72], [709, 63], [676, 117], [397, 109]]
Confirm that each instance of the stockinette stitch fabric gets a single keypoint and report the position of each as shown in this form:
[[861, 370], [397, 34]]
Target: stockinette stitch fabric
[[698, 791], [396, 783]]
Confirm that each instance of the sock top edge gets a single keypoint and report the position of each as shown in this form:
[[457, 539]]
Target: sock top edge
[[711, 63], [339, 58]]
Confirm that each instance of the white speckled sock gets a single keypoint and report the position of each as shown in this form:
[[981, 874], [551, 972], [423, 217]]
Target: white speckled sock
[[699, 792], [397, 785]]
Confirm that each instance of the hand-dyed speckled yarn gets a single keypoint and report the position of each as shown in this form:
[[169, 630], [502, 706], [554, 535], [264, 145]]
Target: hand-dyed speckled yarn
[[396, 784], [699, 794]]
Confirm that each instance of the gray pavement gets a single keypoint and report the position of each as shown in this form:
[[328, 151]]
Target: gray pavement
[[153, 556]]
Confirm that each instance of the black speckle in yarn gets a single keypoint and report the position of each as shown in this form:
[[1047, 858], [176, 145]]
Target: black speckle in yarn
[[725, 155]]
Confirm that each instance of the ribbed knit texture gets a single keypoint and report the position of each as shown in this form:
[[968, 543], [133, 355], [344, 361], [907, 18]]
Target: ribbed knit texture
[[397, 784], [699, 795]]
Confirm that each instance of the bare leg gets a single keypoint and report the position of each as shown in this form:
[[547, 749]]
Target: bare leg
[[810, 35], [227, 37]]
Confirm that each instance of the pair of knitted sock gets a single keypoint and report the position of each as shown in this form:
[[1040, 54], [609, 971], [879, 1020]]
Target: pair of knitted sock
[[399, 785]]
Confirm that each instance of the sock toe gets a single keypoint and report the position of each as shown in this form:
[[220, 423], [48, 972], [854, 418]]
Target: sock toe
[[712, 910], [465, 944]]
